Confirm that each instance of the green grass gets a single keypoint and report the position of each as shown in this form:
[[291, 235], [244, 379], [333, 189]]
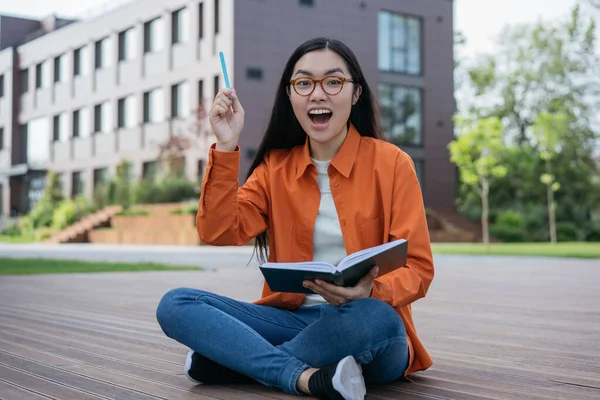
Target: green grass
[[563, 249], [16, 239], [29, 266]]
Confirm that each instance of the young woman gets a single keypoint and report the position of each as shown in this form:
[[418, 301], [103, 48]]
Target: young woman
[[323, 185]]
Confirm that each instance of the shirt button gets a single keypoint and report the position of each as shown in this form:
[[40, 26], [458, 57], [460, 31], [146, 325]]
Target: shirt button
[[344, 223], [335, 184]]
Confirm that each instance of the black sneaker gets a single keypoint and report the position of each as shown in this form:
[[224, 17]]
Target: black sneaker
[[343, 381], [200, 369]]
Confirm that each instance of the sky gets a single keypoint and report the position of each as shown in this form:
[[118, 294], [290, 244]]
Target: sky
[[479, 20]]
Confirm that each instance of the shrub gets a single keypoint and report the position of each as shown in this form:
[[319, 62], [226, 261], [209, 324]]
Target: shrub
[[189, 209], [567, 232], [146, 192], [133, 212], [43, 234], [177, 189], [26, 226], [593, 232], [64, 215], [507, 233], [12, 229], [511, 218]]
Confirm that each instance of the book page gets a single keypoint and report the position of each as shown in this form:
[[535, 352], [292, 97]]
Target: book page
[[359, 256], [303, 266]]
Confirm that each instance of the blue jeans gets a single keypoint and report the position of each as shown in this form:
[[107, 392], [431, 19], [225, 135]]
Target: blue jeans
[[274, 346]]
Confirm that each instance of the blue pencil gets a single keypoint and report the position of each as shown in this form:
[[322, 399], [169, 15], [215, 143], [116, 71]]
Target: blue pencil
[[225, 76]]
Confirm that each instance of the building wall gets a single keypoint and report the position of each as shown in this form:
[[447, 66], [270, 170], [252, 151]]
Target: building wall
[[286, 24], [191, 61], [259, 34], [6, 125]]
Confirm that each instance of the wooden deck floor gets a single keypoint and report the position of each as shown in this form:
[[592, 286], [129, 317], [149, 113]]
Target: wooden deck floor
[[498, 328]]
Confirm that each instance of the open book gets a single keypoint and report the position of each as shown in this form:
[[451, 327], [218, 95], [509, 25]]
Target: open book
[[288, 277]]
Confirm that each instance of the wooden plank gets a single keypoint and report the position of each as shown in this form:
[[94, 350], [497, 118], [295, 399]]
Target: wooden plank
[[13, 334], [169, 353], [514, 384], [47, 387], [9, 391], [120, 373], [70, 380], [554, 375]]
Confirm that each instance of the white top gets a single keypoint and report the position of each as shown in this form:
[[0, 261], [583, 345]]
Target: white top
[[328, 240]]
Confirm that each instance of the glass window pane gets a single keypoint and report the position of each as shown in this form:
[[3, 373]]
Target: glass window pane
[[84, 60], [63, 126], [107, 122], [84, 122], [406, 116], [38, 140], [414, 47], [157, 106], [158, 35], [384, 41], [130, 112]]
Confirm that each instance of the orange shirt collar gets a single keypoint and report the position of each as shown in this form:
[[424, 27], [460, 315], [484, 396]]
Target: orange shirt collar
[[343, 160]]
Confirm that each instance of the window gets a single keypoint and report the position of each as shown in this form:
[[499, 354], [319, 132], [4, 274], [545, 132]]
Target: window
[[81, 61], [38, 140], [59, 68], [127, 44], [100, 176], [1, 138], [180, 100], [154, 106], [42, 75], [153, 35], [102, 53], [78, 184], [216, 85], [127, 112], [200, 20], [401, 113], [399, 43], [1, 86], [216, 16], [308, 3], [81, 122], [254, 74], [60, 129], [102, 117], [24, 80], [150, 170], [200, 92], [180, 26]]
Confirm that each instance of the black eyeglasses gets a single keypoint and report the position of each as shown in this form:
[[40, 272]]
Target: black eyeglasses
[[331, 85]]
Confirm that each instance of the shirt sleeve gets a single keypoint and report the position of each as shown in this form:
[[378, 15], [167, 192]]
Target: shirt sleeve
[[229, 214], [408, 221]]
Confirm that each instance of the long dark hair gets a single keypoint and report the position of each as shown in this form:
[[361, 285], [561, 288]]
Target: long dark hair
[[285, 132]]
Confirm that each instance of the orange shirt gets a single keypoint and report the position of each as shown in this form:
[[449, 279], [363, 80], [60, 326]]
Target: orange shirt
[[377, 197]]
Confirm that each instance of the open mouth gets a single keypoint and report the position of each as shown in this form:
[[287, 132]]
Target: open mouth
[[320, 116]]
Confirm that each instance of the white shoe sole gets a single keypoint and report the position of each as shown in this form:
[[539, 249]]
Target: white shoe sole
[[188, 365], [348, 380]]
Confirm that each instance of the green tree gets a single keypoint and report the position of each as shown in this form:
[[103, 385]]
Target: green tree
[[549, 131], [477, 153], [547, 66], [41, 214]]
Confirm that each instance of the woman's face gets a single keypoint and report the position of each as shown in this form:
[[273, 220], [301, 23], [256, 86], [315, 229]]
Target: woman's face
[[322, 114]]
